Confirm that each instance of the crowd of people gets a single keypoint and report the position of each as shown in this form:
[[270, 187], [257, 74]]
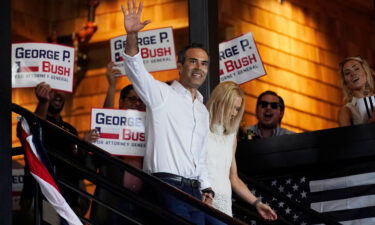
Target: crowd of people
[[190, 145]]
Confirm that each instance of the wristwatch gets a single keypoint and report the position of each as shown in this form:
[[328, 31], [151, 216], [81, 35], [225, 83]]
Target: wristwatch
[[256, 202]]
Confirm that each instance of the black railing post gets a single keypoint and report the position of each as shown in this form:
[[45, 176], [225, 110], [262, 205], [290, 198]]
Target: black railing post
[[5, 116], [38, 205]]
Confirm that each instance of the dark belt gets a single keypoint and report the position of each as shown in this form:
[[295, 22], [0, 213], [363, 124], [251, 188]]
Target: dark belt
[[182, 180]]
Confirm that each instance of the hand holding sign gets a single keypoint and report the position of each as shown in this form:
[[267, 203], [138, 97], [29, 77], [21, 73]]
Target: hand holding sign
[[132, 17], [43, 92], [91, 136], [112, 73]]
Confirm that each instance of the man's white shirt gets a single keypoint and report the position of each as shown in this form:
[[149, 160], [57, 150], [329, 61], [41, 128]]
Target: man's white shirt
[[176, 126]]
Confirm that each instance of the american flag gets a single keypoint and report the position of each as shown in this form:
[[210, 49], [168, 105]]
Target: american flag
[[347, 197]]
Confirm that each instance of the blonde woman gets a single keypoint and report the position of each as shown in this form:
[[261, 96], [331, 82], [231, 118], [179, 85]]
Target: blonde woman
[[357, 81], [226, 107]]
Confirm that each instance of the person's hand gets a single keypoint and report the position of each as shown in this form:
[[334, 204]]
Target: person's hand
[[91, 136], [112, 73], [207, 198], [132, 17], [265, 211], [43, 92]]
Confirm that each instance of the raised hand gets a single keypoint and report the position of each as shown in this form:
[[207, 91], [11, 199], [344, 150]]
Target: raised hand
[[132, 17], [112, 73], [43, 92]]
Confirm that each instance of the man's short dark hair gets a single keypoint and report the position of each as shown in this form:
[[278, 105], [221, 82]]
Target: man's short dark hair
[[181, 53], [281, 101], [125, 91]]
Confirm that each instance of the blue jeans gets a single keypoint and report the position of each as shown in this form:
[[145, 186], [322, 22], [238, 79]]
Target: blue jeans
[[213, 221], [179, 207]]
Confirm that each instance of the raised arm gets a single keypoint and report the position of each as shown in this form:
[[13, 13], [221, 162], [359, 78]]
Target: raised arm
[[111, 77], [240, 188], [133, 24], [152, 92]]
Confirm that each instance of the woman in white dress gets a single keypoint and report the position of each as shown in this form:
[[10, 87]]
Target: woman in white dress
[[226, 107], [358, 82]]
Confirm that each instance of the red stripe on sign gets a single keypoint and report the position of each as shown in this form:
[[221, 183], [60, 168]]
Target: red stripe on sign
[[29, 69], [109, 136]]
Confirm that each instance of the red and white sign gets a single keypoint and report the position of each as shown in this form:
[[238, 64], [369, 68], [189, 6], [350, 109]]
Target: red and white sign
[[156, 48], [122, 132], [33, 63], [240, 60]]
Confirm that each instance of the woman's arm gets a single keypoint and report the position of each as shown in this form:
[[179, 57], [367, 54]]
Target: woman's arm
[[240, 188]]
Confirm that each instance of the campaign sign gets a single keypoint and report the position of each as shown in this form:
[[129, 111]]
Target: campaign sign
[[240, 60], [156, 48], [33, 63], [122, 132]]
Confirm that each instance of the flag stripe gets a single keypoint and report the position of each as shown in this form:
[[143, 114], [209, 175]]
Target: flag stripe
[[57, 201], [342, 193], [45, 180], [342, 182], [35, 165], [342, 204], [350, 215], [367, 221]]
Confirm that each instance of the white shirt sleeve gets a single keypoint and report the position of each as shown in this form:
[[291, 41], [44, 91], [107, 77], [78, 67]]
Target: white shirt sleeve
[[203, 172], [152, 92]]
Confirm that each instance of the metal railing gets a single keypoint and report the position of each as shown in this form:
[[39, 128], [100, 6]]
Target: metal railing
[[149, 206]]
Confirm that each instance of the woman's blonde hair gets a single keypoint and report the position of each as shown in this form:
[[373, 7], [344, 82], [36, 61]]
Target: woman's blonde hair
[[369, 87], [221, 103]]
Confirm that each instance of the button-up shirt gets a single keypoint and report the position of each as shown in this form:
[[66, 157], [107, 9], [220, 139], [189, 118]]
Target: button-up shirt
[[176, 125]]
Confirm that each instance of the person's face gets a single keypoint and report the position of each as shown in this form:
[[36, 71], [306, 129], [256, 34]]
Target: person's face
[[194, 70], [236, 108], [268, 111], [132, 101], [354, 75], [56, 103]]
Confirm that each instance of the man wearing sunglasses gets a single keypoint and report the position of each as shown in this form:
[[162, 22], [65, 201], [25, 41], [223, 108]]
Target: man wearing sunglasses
[[269, 111]]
